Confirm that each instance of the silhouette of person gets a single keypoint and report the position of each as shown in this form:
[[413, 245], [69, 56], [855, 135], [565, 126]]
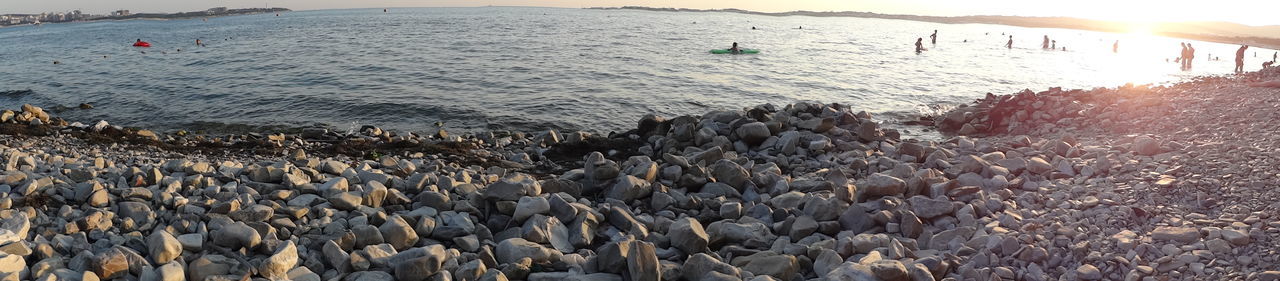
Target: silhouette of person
[[1182, 57], [1115, 47], [919, 45], [735, 49], [933, 38], [1191, 55], [1053, 45], [1240, 58], [1045, 44], [1010, 44]]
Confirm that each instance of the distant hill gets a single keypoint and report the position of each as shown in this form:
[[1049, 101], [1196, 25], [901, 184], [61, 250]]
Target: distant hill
[[1222, 32]]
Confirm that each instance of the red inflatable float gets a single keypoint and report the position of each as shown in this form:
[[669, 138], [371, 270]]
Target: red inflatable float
[[142, 44]]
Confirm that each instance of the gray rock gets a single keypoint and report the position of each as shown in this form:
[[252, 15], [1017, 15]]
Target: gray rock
[[1144, 145], [163, 247], [880, 184], [336, 257], [889, 270], [753, 133], [398, 233], [513, 187], [783, 267], [528, 206], [1088, 272], [422, 267], [277, 266], [927, 208], [1179, 234], [730, 173], [700, 264], [514, 249], [688, 235], [346, 201], [236, 235], [851, 271], [642, 262], [629, 188]]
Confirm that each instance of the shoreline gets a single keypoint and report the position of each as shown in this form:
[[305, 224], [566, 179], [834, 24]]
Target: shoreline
[[1111, 183], [165, 17]]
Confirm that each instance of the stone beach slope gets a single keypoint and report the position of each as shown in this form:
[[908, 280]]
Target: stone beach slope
[[1138, 184]]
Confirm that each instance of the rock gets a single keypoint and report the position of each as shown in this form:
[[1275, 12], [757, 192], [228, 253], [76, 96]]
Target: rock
[[370, 276], [629, 188], [880, 184], [753, 133], [1088, 272], [336, 257], [700, 264], [1180, 234], [1237, 238], [163, 247], [204, 267], [1144, 145], [278, 265], [108, 264], [398, 233], [1218, 246], [827, 261], [346, 201], [889, 270], [910, 226], [851, 271], [783, 267], [919, 272], [512, 250], [513, 187], [928, 208], [688, 235], [802, 227], [528, 206], [730, 173], [12, 267], [172, 271], [726, 231], [421, 268], [1038, 166], [236, 235], [642, 262], [191, 242]]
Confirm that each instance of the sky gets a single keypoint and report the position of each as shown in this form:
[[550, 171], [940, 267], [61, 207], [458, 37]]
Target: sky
[[1250, 12]]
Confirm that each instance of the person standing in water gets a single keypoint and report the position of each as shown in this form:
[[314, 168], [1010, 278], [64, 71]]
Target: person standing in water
[[1053, 45], [1240, 58], [933, 38], [1191, 55], [1045, 44], [1115, 47], [919, 45], [1010, 44]]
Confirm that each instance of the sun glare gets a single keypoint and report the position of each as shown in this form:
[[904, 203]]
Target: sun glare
[[1136, 29]]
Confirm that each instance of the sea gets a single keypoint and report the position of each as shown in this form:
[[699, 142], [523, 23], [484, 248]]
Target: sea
[[530, 69]]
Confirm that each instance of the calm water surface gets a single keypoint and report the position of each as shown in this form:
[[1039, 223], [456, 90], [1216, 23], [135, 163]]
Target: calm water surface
[[539, 68]]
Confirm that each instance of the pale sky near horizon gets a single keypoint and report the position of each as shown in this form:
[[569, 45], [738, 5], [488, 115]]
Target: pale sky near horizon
[[1250, 12]]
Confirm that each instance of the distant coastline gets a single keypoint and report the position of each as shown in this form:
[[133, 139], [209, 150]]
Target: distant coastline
[[214, 12], [1220, 32]]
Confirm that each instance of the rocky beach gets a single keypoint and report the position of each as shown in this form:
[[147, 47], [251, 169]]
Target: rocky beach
[[1131, 183]]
